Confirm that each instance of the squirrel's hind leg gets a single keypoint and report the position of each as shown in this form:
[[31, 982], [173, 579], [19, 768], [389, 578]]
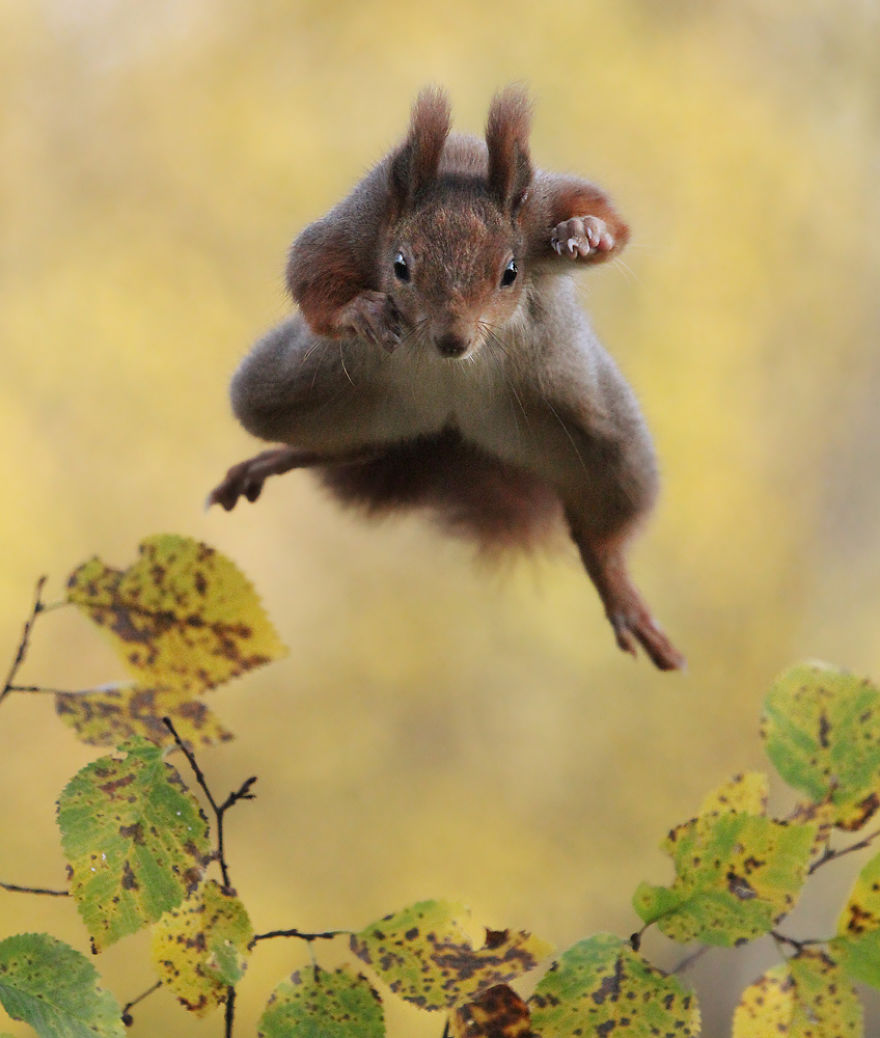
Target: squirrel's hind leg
[[630, 617]]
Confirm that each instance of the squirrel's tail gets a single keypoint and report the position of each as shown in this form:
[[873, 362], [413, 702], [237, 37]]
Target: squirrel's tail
[[471, 493]]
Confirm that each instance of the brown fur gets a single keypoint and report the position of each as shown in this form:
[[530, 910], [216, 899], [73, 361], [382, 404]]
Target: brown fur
[[440, 361]]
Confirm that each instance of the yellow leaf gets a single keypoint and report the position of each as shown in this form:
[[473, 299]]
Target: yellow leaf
[[182, 616], [747, 792], [113, 716], [200, 949]]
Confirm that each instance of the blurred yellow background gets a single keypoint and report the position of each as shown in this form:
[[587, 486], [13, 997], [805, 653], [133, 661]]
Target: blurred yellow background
[[440, 729]]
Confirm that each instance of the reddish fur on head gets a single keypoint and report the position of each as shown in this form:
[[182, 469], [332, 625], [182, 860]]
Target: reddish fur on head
[[507, 137]]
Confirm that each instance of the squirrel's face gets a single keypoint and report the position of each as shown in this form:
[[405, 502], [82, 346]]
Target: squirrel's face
[[454, 273]]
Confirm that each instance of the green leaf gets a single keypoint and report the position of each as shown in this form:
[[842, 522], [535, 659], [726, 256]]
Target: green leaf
[[601, 986], [54, 989], [201, 948], [182, 616], [821, 727], [736, 876], [805, 997], [135, 838], [422, 955], [318, 1004], [857, 945]]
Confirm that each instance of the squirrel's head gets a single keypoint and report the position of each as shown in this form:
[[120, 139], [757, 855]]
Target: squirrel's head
[[453, 255]]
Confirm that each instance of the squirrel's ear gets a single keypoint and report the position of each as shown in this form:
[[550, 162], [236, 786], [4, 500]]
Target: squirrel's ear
[[416, 161], [507, 137]]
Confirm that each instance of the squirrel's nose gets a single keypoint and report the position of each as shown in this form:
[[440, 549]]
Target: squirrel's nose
[[452, 345]]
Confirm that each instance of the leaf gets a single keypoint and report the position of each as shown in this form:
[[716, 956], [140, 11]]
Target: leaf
[[423, 955], [318, 1004], [182, 616], [736, 876], [135, 838], [821, 727], [805, 997], [858, 942], [601, 986], [54, 989], [201, 948], [745, 793], [496, 1013], [115, 715]]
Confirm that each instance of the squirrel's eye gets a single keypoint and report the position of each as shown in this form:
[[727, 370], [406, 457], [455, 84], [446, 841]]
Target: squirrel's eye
[[509, 275], [401, 268]]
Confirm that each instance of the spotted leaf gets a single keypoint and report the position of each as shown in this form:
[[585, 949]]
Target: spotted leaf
[[182, 616], [805, 997], [496, 1013], [425, 957], [200, 948], [736, 876], [745, 793], [55, 990], [601, 986], [317, 1004], [135, 838], [115, 715], [858, 942], [821, 728]]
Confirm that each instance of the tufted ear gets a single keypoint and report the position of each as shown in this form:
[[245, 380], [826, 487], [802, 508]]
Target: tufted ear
[[414, 166], [507, 137]]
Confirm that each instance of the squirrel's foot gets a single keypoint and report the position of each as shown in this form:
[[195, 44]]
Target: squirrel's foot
[[636, 626], [582, 237], [374, 317], [246, 479]]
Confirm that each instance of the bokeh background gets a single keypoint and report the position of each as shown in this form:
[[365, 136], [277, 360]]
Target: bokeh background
[[440, 728]]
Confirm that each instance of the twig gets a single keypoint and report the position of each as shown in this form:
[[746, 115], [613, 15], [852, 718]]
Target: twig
[[126, 1015], [36, 608], [798, 946], [229, 1015], [327, 935], [242, 793], [689, 960], [830, 855], [34, 890]]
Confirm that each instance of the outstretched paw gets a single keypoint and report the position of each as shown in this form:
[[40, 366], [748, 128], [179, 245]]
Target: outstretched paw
[[246, 479], [582, 237], [374, 317]]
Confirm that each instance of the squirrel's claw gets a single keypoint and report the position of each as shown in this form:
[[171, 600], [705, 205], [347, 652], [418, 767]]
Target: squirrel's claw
[[582, 237]]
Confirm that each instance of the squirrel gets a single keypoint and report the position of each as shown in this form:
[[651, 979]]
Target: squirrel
[[439, 358]]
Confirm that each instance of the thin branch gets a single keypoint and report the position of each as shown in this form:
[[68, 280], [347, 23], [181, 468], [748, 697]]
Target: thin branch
[[830, 855], [798, 946], [229, 1015], [242, 793], [689, 960], [126, 1016], [34, 890], [21, 653], [326, 935]]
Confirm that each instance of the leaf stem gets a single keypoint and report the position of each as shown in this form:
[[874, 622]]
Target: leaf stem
[[126, 1018], [21, 653], [242, 793], [14, 888]]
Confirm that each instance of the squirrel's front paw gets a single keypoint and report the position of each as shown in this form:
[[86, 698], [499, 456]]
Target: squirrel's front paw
[[582, 237], [373, 316]]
